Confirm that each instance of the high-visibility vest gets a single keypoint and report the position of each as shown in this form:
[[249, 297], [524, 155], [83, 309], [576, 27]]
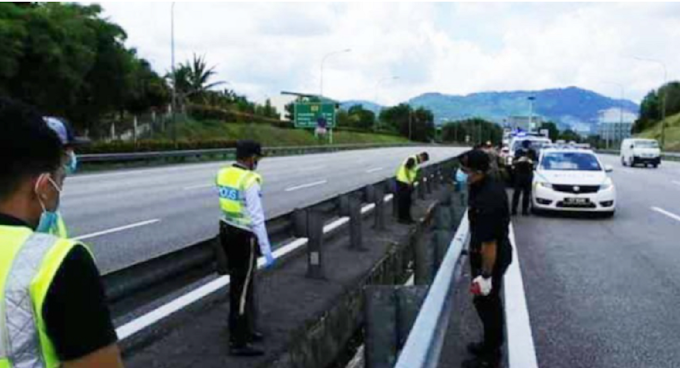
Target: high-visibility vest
[[405, 175], [59, 230], [28, 263], [232, 183]]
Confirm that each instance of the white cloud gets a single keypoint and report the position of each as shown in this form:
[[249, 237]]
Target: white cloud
[[263, 48]]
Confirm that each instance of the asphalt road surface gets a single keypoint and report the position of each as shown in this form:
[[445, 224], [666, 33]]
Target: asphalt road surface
[[133, 215], [605, 292]]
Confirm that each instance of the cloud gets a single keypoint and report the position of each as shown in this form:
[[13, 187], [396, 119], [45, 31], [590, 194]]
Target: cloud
[[262, 49]]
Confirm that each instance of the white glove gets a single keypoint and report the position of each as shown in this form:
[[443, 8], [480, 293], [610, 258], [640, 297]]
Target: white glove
[[481, 286]]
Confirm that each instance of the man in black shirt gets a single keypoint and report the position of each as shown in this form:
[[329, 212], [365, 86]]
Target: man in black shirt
[[524, 160], [490, 255], [75, 325]]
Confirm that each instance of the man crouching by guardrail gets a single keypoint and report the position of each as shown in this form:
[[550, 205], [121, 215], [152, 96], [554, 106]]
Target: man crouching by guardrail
[[490, 255], [242, 225], [407, 174]]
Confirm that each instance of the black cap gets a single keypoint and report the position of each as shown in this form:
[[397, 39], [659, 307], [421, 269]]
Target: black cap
[[64, 131], [475, 160], [248, 148]]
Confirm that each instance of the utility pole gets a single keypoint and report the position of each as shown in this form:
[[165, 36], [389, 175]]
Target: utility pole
[[174, 74], [531, 112]]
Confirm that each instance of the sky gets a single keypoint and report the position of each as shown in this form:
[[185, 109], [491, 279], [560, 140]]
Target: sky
[[401, 50]]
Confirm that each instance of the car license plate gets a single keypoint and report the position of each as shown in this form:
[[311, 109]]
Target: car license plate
[[576, 201]]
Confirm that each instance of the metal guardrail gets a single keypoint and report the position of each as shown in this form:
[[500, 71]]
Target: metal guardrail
[[182, 267], [424, 344], [225, 152]]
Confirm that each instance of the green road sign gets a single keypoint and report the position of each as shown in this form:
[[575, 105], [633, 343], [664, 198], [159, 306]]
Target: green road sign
[[307, 114]]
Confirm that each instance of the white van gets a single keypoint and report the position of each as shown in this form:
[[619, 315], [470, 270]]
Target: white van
[[640, 151]]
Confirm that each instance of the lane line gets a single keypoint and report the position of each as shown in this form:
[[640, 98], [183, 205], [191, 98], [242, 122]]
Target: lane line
[[201, 186], [664, 212], [117, 229], [373, 170], [521, 349], [193, 296], [308, 185]]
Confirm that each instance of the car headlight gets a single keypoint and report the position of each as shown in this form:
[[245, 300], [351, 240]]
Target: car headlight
[[607, 185], [545, 185]]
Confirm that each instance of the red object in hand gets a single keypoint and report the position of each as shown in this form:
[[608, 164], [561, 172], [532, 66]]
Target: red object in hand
[[475, 289]]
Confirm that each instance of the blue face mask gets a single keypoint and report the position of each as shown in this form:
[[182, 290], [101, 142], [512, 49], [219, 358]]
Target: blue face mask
[[48, 219], [461, 177], [72, 164]]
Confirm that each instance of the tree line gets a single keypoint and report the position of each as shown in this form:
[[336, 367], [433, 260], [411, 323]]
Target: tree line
[[651, 106]]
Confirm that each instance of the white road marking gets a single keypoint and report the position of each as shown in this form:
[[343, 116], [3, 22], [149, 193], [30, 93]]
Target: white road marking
[[521, 350], [308, 185], [373, 170], [201, 186], [664, 212], [116, 229], [179, 303]]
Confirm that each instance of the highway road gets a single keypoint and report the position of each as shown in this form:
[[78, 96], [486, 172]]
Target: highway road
[[605, 292], [132, 215]]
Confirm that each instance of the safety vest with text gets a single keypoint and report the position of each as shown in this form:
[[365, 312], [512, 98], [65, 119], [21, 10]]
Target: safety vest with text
[[29, 262], [232, 183], [405, 175]]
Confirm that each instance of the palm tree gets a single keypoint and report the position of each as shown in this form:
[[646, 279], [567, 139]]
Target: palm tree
[[192, 79]]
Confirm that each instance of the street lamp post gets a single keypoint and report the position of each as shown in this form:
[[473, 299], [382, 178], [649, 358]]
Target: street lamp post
[[531, 112], [174, 74], [663, 97], [377, 88], [323, 61]]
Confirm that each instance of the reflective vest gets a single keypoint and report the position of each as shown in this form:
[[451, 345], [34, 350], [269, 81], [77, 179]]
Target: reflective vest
[[59, 230], [405, 175], [28, 264], [232, 183]]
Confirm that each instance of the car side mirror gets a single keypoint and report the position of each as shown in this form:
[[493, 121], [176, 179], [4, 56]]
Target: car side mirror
[[608, 168]]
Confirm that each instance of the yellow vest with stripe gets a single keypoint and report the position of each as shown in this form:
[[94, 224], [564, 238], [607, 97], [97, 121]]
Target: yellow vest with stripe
[[405, 175], [28, 263], [232, 183]]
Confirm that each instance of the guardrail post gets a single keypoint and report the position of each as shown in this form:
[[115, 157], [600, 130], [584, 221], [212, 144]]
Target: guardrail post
[[355, 221], [421, 189], [315, 245], [379, 201], [300, 223], [370, 193], [343, 205]]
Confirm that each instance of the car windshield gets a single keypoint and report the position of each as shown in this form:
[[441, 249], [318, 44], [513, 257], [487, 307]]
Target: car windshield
[[646, 144], [571, 161]]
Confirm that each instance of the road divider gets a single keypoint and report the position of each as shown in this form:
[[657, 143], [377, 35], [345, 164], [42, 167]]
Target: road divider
[[116, 229]]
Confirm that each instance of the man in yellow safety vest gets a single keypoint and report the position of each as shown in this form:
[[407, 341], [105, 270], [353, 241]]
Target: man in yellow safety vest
[[407, 174], [242, 229], [54, 311]]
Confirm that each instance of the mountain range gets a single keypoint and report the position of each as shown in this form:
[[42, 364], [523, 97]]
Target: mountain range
[[571, 107]]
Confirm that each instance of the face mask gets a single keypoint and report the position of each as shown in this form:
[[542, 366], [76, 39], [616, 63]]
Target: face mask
[[461, 177], [72, 164], [48, 219]]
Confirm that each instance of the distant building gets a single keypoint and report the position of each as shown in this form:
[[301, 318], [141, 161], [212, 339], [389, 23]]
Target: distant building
[[522, 122], [613, 127]]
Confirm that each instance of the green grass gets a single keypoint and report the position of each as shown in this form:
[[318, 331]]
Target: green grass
[[672, 133]]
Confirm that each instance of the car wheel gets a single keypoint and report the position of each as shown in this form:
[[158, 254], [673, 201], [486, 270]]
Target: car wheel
[[623, 161], [655, 166]]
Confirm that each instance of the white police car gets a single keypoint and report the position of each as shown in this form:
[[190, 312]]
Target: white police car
[[572, 179]]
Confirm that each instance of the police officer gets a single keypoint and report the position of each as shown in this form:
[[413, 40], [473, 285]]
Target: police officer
[[54, 310], [242, 228], [490, 255], [407, 174], [69, 141], [524, 176]]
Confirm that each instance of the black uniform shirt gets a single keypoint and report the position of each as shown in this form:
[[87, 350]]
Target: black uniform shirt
[[524, 167], [75, 312], [489, 216]]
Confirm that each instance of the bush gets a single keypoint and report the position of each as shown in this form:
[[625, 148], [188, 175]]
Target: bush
[[155, 146]]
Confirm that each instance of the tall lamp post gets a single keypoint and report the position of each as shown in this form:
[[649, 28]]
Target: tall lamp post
[[174, 74], [377, 89], [663, 97], [323, 61], [531, 112]]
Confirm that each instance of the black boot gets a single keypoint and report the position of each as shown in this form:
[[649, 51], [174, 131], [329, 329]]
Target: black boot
[[484, 359], [245, 350]]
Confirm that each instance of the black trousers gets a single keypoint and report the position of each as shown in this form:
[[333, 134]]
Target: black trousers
[[490, 307], [522, 186], [241, 252], [404, 196]]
